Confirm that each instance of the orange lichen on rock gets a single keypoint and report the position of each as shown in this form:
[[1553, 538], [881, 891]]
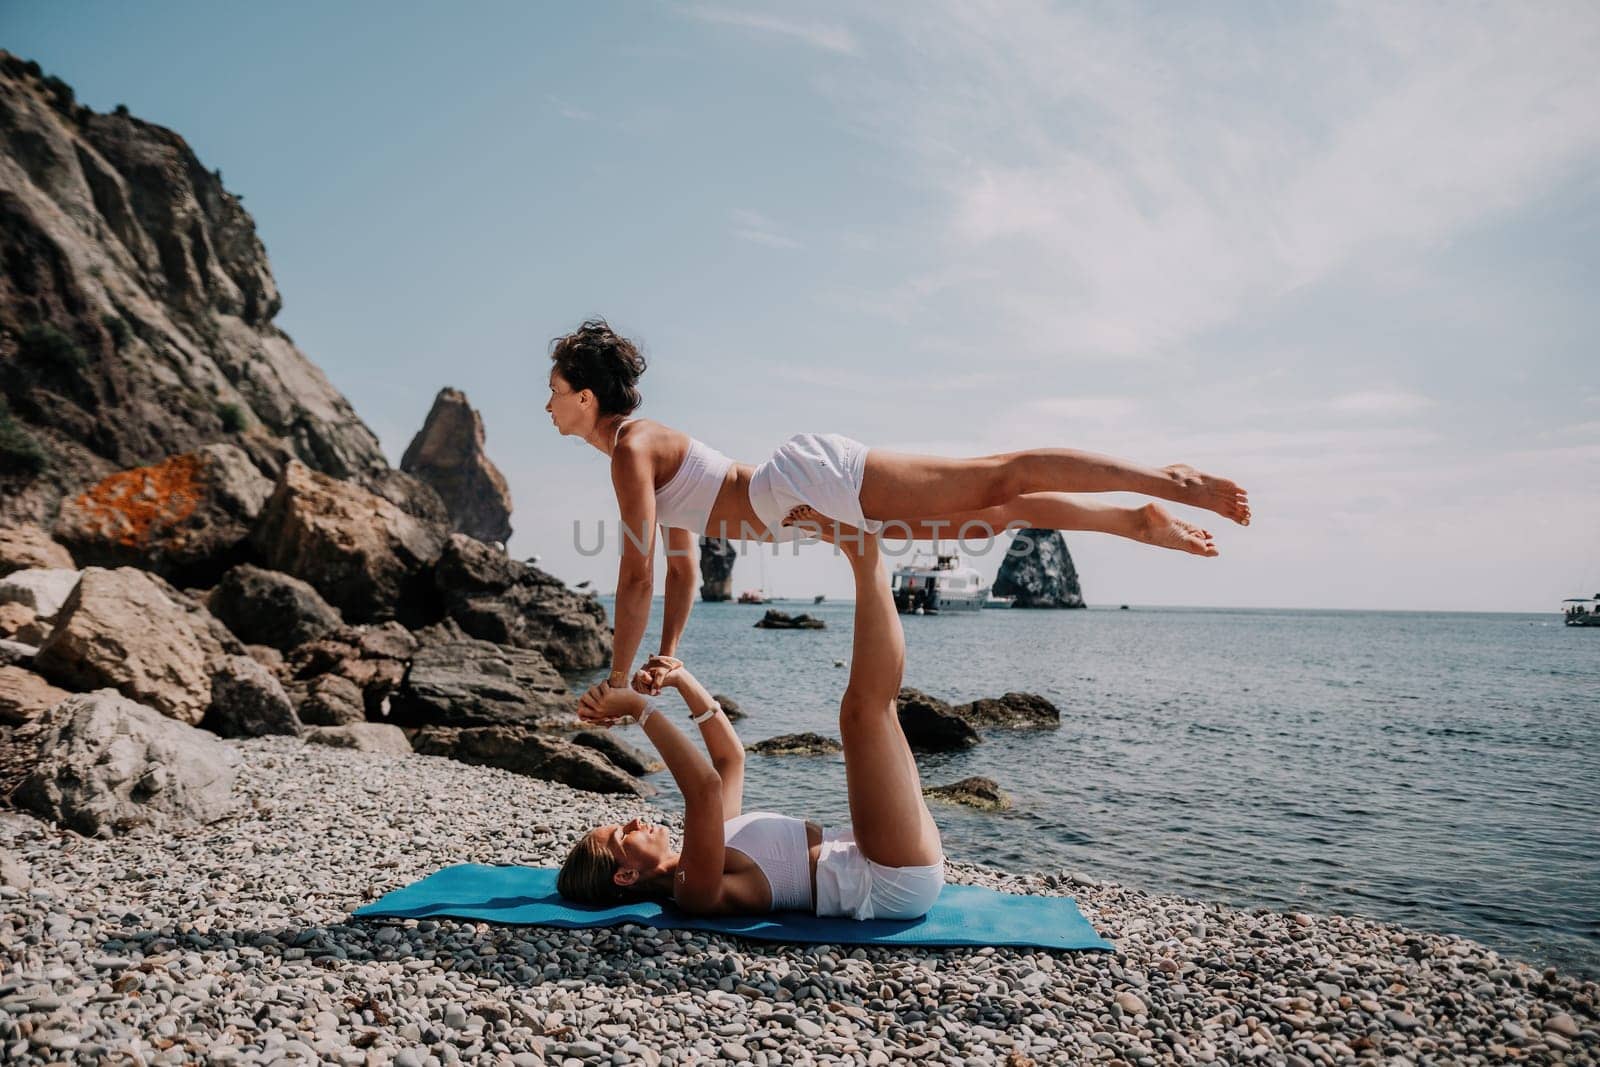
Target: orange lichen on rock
[[130, 506]]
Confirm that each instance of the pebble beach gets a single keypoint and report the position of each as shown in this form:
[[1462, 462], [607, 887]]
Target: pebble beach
[[233, 943]]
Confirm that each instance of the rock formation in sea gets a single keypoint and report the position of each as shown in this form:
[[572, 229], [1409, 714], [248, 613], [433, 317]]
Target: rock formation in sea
[[1038, 572], [448, 454], [717, 558]]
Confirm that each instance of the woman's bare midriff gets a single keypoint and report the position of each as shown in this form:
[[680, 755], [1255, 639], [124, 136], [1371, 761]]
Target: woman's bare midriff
[[732, 517]]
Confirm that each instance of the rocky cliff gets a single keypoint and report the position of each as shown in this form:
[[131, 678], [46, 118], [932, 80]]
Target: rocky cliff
[[447, 454], [1042, 576], [136, 309]]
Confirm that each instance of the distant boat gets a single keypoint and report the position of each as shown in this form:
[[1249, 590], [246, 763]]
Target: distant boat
[[999, 601], [752, 596], [1580, 612], [819, 598], [929, 585]]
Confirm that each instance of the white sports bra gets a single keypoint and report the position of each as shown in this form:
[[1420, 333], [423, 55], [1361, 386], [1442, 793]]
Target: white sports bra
[[689, 495], [778, 845]]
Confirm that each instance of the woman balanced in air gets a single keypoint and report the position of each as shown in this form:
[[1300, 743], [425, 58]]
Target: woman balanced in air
[[887, 864], [664, 477]]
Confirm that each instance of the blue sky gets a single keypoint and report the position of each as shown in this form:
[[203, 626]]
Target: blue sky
[[1345, 254]]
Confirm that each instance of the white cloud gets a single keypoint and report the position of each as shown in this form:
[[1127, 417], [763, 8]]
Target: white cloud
[[568, 110], [1136, 184], [1379, 402], [827, 36], [757, 228]]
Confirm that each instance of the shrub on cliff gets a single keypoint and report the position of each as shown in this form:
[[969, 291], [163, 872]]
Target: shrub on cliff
[[18, 450]]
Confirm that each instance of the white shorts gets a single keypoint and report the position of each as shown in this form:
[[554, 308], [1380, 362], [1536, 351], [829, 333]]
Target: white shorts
[[849, 884], [820, 469]]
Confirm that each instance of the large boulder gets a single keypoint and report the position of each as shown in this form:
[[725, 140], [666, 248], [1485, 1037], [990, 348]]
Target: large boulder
[[524, 751], [1012, 711], [361, 736], [617, 751], [329, 700], [26, 546], [499, 599], [457, 680], [269, 608], [365, 555], [107, 764], [44, 589], [372, 658], [248, 701], [24, 695], [931, 725], [447, 454], [1038, 572], [717, 558], [132, 632], [186, 518]]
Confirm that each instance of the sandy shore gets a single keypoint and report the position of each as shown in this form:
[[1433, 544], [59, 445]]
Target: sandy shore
[[233, 944]]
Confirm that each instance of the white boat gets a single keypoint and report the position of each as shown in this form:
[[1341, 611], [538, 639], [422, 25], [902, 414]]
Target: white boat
[[1580, 612], [937, 583]]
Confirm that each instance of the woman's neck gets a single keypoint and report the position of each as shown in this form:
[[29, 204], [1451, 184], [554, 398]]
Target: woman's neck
[[604, 434]]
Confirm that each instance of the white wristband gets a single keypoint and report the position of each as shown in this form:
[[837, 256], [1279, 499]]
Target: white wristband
[[704, 715], [651, 706]]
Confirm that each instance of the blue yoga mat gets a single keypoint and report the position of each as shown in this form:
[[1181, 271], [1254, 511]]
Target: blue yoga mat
[[963, 914]]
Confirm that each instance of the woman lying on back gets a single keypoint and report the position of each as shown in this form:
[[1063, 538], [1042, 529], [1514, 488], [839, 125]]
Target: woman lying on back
[[886, 865]]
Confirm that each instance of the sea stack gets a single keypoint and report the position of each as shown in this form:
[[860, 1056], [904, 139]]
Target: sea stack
[[1042, 576], [447, 453], [716, 568]]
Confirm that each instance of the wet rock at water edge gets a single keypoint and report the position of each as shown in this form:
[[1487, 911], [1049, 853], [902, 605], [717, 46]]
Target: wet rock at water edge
[[779, 620], [1012, 711], [984, 794], [803, 744], [931, 725]]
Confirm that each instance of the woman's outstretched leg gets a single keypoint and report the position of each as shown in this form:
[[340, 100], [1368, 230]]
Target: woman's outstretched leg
[[1149, 524], [890, 820], [906, 486]]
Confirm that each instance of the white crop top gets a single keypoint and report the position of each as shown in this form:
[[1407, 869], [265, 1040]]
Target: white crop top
[[778, 845], [689, 495]]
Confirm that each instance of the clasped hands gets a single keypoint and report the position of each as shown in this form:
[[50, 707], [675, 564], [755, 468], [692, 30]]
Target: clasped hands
[[607, 705]]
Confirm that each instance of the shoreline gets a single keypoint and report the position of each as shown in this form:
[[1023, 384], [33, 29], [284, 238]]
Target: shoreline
[[232, 943]]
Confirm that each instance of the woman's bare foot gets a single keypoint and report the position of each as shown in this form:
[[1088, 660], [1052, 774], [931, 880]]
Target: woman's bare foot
[[819, 524], [1158, 527], [1209, 492]]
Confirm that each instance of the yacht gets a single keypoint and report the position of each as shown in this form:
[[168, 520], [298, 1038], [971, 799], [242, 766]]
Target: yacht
[[1580, 612], [938, 583]]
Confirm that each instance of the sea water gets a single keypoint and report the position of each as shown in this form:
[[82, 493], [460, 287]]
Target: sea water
[[1436, 770]]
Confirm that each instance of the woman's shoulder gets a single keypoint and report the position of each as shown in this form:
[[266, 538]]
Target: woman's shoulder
[[646, 433]]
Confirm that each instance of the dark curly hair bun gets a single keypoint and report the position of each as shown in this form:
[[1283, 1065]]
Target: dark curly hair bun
[[596, 357]]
